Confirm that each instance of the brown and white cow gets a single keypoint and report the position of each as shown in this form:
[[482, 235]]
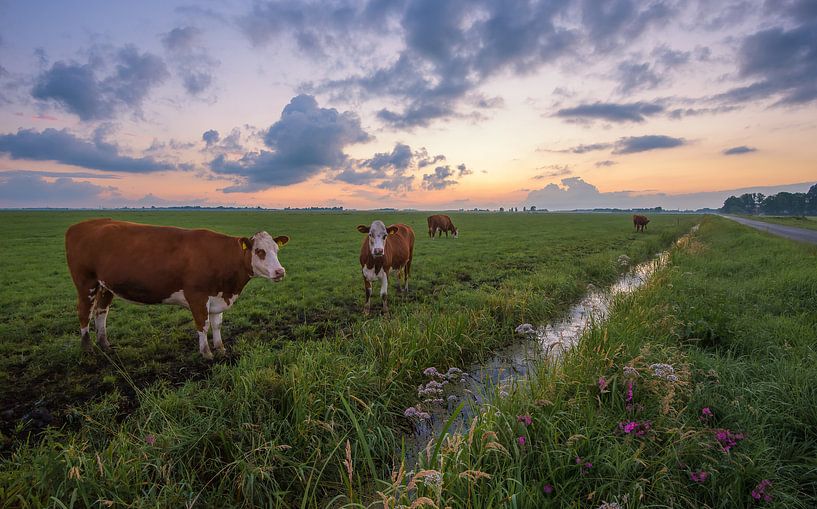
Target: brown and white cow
[[383, 250], [439, 223], [640, 222], [201, 270]]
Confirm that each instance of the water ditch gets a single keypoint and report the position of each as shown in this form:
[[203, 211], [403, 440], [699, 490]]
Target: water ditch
[[541, 346]]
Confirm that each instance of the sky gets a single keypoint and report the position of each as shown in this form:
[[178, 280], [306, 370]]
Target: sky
[[427, 104]]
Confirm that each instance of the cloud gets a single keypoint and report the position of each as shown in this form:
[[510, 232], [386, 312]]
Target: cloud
[[424, 160], [612, 112], [605, 163], [633, 144], [633, 76], [739, 150], [305, 141], [439, 179], [781, 62], [463, 170], [27, 189], [592, 147], [556, 170], [575, 193], [210, 137], [79, 89], [192, 62], [58, 174], [63, 147], [612, 23]]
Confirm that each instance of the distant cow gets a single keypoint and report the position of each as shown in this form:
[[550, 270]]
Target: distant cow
[[640, 222], [201, 270], [439, 223], [383, 250]]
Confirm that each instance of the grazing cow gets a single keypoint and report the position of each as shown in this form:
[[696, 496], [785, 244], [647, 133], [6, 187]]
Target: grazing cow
[[640, 222], [383, 250], [201, 270], [439, 223]]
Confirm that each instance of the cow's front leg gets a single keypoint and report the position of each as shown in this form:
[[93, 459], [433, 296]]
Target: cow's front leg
[[198, 306], [384, 289], [215, 323], [367, 286]]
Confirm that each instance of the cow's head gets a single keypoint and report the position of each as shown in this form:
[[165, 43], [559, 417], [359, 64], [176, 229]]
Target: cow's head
[[456, 232], [377, 236], [265, 255]]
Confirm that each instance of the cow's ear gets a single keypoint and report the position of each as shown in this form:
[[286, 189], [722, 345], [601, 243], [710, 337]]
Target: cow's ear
[[246, 243], [391, 230], [362, 229], [281, 241]]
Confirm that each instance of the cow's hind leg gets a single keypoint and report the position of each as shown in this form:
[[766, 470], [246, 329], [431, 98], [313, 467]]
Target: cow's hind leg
[[198, 306], [86, 296], [215, 323], [101, 305]]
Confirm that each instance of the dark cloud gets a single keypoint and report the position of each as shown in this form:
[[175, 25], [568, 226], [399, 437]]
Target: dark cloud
[[210, 137], [611, 112], [32, 190], [633, 76], [463, 170], [592, 147], [424, 160], [743, 149], [605, 163], [79, 89], [440, 179], [390, 168], [192, 63], [612, 23], [556, 170], [63, 147], [306, 140], [782, 62], [679, 113], [633, 144], [58, 174]]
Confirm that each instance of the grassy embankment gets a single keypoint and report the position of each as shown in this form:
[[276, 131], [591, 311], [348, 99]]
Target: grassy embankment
[[734, 424], [269, 425]]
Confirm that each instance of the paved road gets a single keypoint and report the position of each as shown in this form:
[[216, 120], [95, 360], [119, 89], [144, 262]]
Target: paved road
[[790, 232]]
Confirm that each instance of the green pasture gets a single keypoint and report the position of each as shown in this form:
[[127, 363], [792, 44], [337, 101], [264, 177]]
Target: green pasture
[[155, 425]]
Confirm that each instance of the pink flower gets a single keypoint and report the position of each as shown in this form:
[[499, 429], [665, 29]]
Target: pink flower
[[547, 488], [760, 491], [706, 414], [150, 439], [636, 428], [521, 441], [584, 466], [602, 384], [727, 439], [699, 477], [524, 419]]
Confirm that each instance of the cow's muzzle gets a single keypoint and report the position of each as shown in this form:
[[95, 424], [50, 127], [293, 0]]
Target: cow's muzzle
[[377, 253], [278, 275]]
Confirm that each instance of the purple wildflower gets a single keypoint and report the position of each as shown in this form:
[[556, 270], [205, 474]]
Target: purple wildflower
[[760, 491], [706, 414], [727, 439], [521, 441], [524, 419], [602, 384], [547, 488], [584, 466], [699, 477], [636, 428], [431, 372], [150, 439]]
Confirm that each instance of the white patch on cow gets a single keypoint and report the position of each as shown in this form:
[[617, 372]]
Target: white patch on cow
[[371, 275], [177, 298], [204, 347], [217, 304], [384, 282], [83, 331]]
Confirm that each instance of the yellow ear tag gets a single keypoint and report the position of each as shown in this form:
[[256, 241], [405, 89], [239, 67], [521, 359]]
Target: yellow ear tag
[[243, 245], [280, 244]]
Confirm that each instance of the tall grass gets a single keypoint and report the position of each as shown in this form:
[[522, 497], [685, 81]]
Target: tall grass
[[732, 425], [271, 427]]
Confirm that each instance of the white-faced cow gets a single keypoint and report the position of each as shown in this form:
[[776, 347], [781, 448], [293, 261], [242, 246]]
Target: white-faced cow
[[201, 270], [439, 223], [383, 250]]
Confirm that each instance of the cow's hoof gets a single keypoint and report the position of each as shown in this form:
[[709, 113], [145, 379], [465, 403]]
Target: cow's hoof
[[207, 355], [221, 351]]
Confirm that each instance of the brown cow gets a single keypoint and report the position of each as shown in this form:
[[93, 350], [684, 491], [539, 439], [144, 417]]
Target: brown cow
[[383, 250], [439, 223], [201, 270], [640, 222]]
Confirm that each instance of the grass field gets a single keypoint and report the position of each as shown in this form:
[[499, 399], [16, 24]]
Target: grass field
[[809, 222], [730, 423], [156, 425]]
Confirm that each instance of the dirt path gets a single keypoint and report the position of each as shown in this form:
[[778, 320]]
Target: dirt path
[[790, 232]]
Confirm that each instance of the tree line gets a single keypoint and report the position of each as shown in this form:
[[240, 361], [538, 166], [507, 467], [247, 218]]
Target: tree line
[[780, 204]]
